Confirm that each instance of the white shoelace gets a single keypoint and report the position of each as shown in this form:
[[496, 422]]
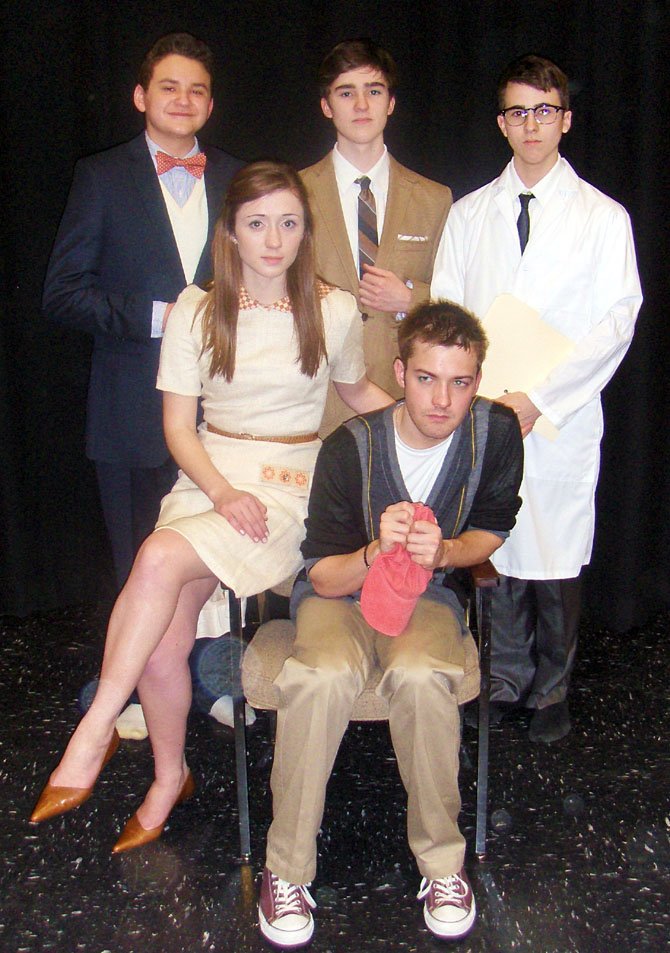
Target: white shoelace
[[288, 898], [447, 889]]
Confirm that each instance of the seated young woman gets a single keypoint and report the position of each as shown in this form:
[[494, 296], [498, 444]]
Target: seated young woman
[[258, 350]]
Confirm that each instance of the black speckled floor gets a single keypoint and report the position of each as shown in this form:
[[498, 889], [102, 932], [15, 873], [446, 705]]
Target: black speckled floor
[[579, 860]]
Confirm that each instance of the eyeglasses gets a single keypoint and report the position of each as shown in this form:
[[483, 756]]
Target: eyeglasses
[[544, 114]]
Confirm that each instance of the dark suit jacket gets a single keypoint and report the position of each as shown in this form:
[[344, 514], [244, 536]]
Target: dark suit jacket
[[416, 212], [115, 254]]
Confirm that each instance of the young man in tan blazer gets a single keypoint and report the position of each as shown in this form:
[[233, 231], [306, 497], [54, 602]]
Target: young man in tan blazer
[[357, 80]]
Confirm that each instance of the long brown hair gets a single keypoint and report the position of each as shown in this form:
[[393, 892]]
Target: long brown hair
[[221, 306]]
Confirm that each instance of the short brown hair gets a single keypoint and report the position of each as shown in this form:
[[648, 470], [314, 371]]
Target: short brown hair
[[534, 71], [354, 54], [442, 323], [183, 44], [221, 306]]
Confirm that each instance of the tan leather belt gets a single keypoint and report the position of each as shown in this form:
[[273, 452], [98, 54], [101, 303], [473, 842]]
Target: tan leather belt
[[297, 438]]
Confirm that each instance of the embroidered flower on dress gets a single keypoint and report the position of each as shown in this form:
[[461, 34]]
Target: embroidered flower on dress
[[285, 476]]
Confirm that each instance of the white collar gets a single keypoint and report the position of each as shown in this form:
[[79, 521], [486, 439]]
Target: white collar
[[346, 173], [154, 148], [542, 190]]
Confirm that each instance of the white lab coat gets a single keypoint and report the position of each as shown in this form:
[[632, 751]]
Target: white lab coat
[[579, 271]]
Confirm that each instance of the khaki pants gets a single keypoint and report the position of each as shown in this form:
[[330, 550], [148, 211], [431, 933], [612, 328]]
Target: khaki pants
[[334, 652]]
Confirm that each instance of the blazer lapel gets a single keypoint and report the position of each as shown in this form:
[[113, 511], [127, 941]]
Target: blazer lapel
[[215, 189], [217, 180], [327, 200], [400, 190], [150, 196]]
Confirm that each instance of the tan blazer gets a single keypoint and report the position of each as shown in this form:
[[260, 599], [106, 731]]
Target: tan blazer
[[416, 211]]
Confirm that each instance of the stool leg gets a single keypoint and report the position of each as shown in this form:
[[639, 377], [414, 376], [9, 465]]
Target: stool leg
[[484, 631], [240, 736]]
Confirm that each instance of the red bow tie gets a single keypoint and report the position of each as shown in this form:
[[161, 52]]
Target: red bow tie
[[195, 165]]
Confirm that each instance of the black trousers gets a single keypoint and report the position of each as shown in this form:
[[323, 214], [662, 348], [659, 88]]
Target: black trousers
[[131, 499], [534, 640]]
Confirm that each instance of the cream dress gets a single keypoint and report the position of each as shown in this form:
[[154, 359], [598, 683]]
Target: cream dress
[[268, 396]]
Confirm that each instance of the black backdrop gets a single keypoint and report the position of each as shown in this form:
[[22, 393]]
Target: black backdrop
[[69, 70]]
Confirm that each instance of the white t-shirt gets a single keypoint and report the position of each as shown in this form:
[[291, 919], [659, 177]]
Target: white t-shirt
[[420, 468]]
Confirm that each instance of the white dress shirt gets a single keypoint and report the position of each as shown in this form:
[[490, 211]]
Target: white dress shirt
[[180, 184], [542, 192], [346, 175]]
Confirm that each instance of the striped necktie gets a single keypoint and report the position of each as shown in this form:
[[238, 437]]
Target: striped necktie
[[523, 221], [368, 242]]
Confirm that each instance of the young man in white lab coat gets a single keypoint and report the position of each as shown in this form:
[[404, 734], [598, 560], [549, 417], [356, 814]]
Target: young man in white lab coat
[[572, 259]]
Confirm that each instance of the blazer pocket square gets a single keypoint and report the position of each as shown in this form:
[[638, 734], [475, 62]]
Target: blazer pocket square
[[412, 238]]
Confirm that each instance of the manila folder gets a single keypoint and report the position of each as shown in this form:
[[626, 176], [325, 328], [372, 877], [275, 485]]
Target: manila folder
[[523, 349]]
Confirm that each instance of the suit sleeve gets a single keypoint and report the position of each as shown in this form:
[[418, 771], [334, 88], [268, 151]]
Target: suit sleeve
[[73, 294], [419, 293]]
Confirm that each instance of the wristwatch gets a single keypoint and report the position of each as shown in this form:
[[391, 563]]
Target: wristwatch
[[403, 314]]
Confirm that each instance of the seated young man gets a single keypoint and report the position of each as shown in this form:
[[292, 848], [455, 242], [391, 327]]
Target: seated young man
[[462, 456]]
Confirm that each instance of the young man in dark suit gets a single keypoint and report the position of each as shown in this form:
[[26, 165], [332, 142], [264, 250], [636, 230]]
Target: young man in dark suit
[[392, 275], [136, 230], [131, 238]]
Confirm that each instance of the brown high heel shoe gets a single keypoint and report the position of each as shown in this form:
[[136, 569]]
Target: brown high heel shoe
[[55, 800], [134, 835]]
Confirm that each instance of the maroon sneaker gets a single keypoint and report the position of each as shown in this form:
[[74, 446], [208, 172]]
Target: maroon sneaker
[[285, 912], [449, 909]]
